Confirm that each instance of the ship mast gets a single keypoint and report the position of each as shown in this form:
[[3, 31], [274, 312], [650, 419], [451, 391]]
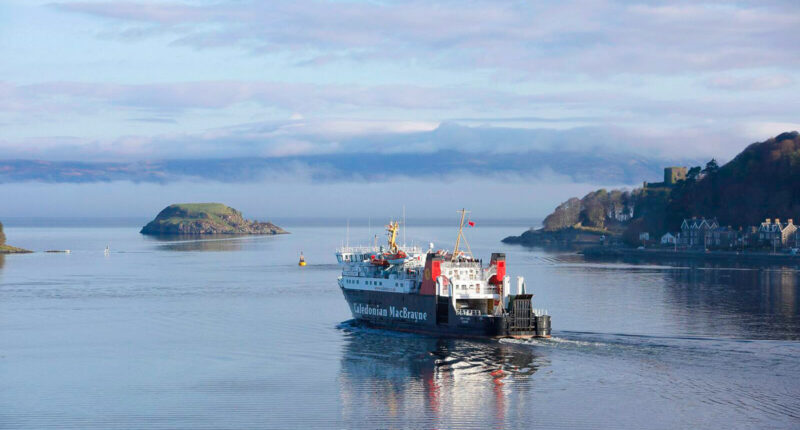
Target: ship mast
[[464, 213], [392, 233], [404, 225]]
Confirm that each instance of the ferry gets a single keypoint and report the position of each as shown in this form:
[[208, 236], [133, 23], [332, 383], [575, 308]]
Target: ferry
[[437, 292]]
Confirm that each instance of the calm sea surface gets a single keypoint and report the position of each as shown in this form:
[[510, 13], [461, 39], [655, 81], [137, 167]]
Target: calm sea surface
[[233, 334]]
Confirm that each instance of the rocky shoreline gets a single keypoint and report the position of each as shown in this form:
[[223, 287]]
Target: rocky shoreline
[[663, 255], [566, 236], [6, 249]]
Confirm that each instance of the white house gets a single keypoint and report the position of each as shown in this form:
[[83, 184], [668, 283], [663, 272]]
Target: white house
[[668, 239], [776, 233]]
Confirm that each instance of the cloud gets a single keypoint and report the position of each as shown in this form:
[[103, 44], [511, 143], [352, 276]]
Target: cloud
[[756, 83], [306, 149], [399, 78], [154, 120], [178, 96], [329, 136], [577, 37], [352, 109], [757, 130]]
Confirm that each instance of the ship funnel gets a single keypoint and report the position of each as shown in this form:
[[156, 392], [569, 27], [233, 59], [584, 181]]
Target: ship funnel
[[499, 261]]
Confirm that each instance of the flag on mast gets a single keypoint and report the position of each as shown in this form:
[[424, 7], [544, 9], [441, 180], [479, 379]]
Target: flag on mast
[[471, 224]]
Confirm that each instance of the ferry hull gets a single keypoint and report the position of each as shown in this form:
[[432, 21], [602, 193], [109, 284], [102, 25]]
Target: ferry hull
[[433, 315]]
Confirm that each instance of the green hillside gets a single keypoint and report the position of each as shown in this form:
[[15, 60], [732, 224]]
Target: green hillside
[[763, 181], [216, 212]]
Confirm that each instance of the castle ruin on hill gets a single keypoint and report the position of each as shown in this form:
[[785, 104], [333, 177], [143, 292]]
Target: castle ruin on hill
[[672, 175]]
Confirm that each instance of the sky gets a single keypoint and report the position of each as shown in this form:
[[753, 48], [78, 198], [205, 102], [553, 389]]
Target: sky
[[303, 85]]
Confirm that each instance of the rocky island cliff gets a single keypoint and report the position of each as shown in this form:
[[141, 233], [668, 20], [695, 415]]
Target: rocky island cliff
[[7, 249], [205, 219]]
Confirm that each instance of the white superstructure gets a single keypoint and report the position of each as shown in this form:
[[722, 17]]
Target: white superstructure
[[371, 268]]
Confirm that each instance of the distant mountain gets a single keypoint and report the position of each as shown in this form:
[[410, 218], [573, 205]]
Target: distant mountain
[[763, 181], [579, 166]]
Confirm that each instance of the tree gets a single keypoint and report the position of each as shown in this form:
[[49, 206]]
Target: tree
[[693, 173], [593, 214], [565, 215], [711, 167]]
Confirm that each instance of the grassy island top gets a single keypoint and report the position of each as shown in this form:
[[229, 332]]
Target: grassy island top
[[197, 210]]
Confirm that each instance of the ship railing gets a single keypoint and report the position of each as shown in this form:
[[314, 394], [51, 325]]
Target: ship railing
[[488, 290], [469, 312], [368, 249], [460, 264], [476, 290], [356, 249], [411, 249]]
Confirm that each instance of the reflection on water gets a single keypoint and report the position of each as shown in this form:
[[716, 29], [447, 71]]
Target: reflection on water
[[763, 303], [218, 242], [151, 338], [393, 376], [718, 262]]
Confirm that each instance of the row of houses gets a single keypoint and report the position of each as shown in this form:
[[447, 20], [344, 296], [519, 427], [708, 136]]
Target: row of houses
[[704, 233]]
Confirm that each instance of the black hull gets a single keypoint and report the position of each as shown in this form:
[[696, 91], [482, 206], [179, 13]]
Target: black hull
[[433, 315]]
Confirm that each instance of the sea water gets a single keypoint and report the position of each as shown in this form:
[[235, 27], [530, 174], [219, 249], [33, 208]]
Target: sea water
[[232, 333]]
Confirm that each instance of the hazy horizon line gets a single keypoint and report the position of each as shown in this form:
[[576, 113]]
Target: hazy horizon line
[[376, 223]]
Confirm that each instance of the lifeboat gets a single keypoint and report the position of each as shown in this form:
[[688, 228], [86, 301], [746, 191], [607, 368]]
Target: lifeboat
[[399, 258], [387, 259], [378, 261]]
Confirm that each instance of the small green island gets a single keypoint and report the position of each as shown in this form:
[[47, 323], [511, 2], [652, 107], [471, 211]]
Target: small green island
[[206, 219], [8, 249]]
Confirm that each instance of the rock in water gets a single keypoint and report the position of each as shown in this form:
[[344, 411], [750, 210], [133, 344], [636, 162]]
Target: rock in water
[[205, 218]]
